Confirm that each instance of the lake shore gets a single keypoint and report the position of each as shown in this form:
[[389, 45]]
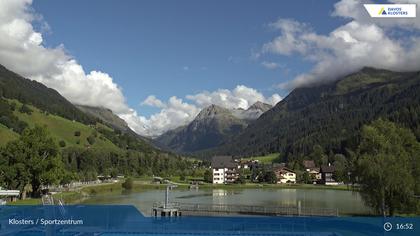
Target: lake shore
[[77, 195]]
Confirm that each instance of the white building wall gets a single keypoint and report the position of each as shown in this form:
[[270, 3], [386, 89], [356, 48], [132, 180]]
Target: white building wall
[[288, 177], [218, 176]]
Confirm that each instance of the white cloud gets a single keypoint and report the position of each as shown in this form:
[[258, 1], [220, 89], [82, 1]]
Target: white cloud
[[362, 41], [173, 114], [176, 112], [240, 97], [22, 50], [270, 65], [274, 99], [287, 42], [152, 101]]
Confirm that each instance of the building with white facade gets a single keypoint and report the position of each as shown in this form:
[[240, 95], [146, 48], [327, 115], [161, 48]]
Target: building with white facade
[[225, 169], [285, 175]]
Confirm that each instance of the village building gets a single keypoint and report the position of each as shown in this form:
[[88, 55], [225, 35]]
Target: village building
[[285, 175], [313, 171], [327, 172], [225, 169]]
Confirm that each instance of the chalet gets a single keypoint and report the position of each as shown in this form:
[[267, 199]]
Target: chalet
[[225, 169], [327, 173], [308, 165], [285, 175], [246, 164], [312, 170]]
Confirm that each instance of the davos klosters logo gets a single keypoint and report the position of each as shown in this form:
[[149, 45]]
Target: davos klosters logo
[[391, 10]]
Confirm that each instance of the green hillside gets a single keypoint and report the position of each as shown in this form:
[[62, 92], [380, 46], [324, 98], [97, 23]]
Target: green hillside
[[14, 86], [6, 135], [331, 114], [267, 159], [64, 129]]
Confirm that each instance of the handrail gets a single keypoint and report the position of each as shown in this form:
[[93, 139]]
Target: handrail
[[249, 209]]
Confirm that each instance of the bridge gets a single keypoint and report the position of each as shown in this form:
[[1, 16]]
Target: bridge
[[193, 209]]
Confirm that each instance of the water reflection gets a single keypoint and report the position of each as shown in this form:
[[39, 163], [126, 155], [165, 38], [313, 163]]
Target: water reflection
[[219, 192], [346, 202]]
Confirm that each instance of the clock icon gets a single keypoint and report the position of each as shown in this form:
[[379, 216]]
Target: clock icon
[[387, 226]]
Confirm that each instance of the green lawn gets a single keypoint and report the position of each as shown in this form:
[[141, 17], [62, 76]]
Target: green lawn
[[28, 201], [63, 129], [270, 158]]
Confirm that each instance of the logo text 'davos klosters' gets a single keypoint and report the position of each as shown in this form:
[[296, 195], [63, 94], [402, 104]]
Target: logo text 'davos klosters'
[[391, 10]]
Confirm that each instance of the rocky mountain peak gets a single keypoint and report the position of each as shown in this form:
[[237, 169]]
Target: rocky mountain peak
[[260, 106], [212, 111]]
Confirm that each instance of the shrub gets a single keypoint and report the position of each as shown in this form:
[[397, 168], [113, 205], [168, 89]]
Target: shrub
[[25, 109], [183, 176], [128, 184], [208, 176], [13, 106], [91, 139], [77, 133], [62, 143]]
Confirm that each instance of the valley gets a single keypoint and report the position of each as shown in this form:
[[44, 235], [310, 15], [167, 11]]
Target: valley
[[328, 124]]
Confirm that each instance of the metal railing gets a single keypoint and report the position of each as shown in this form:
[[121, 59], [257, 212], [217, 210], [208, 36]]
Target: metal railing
[[255, 210]]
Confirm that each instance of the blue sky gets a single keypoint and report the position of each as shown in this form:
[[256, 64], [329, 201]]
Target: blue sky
[[175, 48]]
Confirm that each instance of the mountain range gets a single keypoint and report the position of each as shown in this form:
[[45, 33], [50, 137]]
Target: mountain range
[[106, 116], [46, 107], [212, 127], [329, 114]]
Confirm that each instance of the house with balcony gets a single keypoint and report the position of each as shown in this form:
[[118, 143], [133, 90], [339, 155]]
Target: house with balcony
[[225, 169], [327, 173], [313, 171], [285, 175]]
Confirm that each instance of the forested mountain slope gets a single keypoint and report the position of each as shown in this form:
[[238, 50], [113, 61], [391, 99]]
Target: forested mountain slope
[[14, 86], [331, 114]]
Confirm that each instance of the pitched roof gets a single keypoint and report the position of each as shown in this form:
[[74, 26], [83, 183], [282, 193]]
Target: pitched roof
[[309, 164], [283, 169], [314, 170], [278, 165], [223, 162], [327, 169]]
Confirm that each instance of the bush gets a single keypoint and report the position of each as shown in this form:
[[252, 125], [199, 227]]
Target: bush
[[25, 109], [78, 142], [13, 106], [91, 139], [128, 184], [183, 176], [241, 179], [77, 133], [208, 176], [62, 143]]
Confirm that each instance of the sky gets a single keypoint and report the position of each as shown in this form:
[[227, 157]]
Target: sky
[[157, 63]]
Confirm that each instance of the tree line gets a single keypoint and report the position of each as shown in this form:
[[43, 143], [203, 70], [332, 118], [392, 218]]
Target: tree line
[[34, 160], [383, 165]]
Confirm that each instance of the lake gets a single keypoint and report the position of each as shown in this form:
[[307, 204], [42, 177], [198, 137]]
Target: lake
[[347, 202]]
